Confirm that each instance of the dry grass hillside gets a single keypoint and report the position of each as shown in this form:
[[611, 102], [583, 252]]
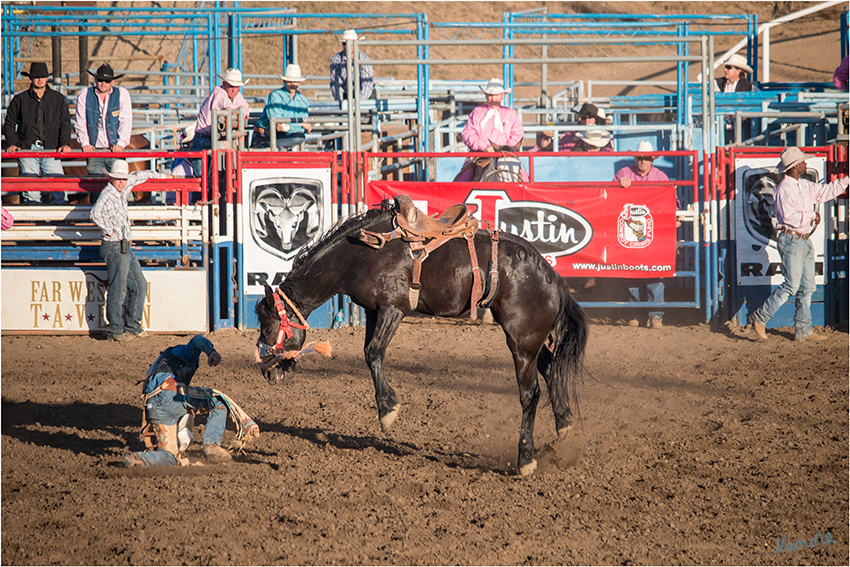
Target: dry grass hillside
[[804, 50]]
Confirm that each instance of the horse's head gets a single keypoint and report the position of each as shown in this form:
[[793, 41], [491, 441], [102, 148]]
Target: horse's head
[[281, 337]]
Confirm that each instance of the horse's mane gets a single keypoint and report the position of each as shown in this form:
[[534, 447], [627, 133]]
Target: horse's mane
[[339, 232], [309, 255]]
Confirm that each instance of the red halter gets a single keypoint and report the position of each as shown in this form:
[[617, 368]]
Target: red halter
[[285, 330]]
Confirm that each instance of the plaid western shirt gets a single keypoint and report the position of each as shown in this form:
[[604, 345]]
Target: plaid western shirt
[[110, 212], [339, 74]]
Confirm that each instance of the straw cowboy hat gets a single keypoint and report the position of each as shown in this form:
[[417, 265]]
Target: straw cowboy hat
[[738, 61], [595, 138], [592, 111], [293, 74], [645, 149], [104, 73], [233, 77], [350, 35], [791, 157], [38, 70], [495, 87], [120, 170]]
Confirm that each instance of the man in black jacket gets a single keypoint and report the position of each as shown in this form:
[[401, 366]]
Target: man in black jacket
[[38, 119]]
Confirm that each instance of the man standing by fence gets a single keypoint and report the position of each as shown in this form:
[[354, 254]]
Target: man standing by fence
[[123, 271], [103, 119], [38, 120], [796, 201], [339, 73]]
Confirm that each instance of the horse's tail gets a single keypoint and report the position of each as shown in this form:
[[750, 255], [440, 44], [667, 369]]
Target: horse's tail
[[570, 340]]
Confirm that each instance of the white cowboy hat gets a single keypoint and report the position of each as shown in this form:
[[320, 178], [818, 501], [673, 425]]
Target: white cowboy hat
[[120, 170], [791, 157], [350, 35], [233, 77], [495, 87], [645, 148], [738, 61], [293, 74], [595, 138]]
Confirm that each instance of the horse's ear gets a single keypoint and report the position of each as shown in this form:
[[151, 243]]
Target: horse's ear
[[269, 295]]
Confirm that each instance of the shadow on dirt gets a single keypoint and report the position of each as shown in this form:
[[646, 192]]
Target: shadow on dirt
[[451, 459], [90, 429]]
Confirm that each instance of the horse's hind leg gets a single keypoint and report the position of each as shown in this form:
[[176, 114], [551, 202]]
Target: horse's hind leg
[[563, 414], [381, 325]]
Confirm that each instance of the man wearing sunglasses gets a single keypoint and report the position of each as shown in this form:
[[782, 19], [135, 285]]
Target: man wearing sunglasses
[[103, 119], [653, 289]]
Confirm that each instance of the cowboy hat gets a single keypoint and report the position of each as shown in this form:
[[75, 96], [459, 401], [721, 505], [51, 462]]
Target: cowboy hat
[[645, 149], [293, 74], [592, 111], [495, 87], [738, 61], [233, 77], [104, 73], [120, 170], [350, 35], [38, 70], [595, 138], [791, 157]]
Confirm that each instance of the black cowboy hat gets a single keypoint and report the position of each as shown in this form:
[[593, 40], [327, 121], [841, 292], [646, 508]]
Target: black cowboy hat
[[38, 70], [104, 73], [591, 111]]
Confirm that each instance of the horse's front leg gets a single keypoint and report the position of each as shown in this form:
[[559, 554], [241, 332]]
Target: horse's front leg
[[529, 394], [381, 325]]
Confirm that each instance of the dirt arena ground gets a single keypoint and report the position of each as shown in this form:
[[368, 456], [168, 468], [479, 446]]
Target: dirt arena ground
[[697, 446]]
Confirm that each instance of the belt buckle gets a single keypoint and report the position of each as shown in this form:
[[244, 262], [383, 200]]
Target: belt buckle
[[39, 144]]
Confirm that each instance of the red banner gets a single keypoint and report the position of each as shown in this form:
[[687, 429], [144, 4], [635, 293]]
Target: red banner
[[582, 232]]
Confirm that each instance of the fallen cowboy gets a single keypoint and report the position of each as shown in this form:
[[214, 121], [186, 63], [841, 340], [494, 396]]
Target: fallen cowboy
[[171, 404]]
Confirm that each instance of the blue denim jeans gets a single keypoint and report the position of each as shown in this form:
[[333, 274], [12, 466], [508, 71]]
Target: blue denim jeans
[[282, 140], [199, 143], [125, 281], [41, 167], [168, 407], [798, 268], [95, 166], [654, 294]]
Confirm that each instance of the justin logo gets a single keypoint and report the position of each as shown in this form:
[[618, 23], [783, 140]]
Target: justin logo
[[635, 226]]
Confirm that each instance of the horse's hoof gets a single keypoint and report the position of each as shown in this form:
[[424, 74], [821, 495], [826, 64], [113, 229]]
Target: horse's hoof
[[562, 433], [526, 470], [388, 420]]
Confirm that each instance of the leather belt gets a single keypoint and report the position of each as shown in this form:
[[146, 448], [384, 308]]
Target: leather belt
[[802, 235]]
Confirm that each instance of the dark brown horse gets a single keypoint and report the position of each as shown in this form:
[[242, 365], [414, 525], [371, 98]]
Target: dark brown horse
[[533, 305]]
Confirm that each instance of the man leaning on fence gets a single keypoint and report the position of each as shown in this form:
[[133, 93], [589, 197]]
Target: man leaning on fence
[[653, 288], [103, 118], [38, 120], [125, 279], [224, 97], [287, 102]]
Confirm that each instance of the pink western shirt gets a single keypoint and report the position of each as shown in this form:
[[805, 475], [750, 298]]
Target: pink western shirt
[[218, 100], [481, 130], [125, 119], [795, 201]]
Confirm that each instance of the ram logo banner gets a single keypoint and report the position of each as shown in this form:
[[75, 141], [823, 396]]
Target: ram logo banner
[[755, 220], [582, 232], [284, 210]]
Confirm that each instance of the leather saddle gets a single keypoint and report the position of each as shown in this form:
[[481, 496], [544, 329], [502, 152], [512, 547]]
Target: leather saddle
[[415, 222]]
